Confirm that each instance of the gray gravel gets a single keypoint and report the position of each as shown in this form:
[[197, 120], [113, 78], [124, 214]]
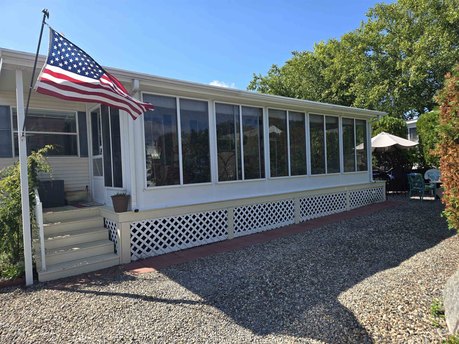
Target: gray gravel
[[368, 279]]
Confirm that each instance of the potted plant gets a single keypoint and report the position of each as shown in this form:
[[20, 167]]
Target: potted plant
[[120, 202]]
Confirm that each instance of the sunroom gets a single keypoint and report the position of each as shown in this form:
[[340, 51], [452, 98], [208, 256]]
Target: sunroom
[[208, 164]]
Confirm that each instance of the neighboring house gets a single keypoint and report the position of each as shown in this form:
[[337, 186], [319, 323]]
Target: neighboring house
[[412, 132], [208, 164]]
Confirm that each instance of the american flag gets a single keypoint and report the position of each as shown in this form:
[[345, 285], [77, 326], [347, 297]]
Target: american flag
[[71, 74]]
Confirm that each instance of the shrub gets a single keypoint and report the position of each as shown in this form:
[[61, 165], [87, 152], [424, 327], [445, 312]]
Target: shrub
[[11, 244], [448, 148], [427, 128]]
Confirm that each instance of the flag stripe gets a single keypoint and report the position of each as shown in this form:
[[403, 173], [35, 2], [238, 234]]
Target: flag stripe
[[65, 82], [81, 97]]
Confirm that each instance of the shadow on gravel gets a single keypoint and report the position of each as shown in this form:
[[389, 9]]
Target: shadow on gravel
[[291, 285]]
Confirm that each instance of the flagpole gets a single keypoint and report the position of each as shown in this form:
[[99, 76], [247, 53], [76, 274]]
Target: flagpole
[[43, 22], [22, 145]]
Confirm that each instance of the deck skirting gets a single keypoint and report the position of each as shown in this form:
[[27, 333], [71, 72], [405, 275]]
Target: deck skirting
[[151, 233]]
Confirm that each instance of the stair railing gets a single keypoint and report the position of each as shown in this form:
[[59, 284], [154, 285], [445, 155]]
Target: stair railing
[[41, 231]]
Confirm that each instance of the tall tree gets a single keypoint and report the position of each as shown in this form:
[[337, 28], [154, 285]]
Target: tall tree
[[394, 62]]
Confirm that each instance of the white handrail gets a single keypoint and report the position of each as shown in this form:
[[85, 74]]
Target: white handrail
[[39, 218]]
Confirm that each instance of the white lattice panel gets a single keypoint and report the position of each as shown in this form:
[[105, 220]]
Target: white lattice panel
[[162, 235], [322, 205], [263, 216], [359, 198], [112, 232]]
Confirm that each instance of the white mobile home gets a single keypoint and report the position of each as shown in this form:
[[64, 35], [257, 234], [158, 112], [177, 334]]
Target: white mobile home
[[208, 164]]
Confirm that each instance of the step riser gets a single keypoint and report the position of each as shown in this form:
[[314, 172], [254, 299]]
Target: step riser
[[66, 215], [50, 276], [57, 228], [79, 254], [75, 239]]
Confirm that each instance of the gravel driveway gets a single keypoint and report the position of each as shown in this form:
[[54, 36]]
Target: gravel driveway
[[368, 279]]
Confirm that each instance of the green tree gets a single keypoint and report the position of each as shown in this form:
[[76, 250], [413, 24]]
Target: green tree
[[11, 245], [394, 62], [390, 125], [427, 129]]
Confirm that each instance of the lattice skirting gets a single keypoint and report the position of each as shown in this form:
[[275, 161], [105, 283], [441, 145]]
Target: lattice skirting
[[152, 237], [263, 216], [112, 233], [322, 205], [167, 234]]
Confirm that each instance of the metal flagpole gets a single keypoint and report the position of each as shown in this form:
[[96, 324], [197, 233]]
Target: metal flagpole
[[27, 236], [43, 22]]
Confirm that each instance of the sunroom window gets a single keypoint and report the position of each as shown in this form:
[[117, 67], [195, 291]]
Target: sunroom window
[[45, 127], [236, 162], [228, 142], [174, 121], [297, 131], [161, 141], [278, 144], [349, 144]]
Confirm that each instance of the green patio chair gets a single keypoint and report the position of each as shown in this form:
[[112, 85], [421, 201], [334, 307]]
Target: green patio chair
[[418, 186]]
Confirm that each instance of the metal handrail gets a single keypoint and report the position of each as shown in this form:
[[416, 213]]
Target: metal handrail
[[39, 219]]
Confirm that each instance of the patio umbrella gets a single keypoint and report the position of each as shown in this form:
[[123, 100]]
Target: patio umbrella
[[384, 141]]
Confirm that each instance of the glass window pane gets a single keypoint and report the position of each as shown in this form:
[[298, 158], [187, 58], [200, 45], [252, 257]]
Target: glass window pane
[[161, 141], [63, 144], [316, 129], [97, 170], [361, 146], [348, 145], [49, 121], [252, 126], [194, 120], [278, 143], [297, 143], [228, 142], [332, 128]]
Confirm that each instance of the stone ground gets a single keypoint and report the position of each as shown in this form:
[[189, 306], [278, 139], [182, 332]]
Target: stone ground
[[366, 278]]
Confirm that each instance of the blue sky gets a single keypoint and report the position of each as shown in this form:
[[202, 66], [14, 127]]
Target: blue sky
[[222, 41]]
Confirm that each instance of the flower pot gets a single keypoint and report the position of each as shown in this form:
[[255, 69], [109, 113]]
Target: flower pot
[[120, 203]]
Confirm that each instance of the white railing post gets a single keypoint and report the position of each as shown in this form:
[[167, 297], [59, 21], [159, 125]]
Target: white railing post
[[39, 219]]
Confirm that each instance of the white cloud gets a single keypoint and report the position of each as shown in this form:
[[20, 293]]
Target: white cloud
[[222, 84]]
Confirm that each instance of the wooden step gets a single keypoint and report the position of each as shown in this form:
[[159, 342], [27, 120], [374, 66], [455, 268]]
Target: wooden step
[[76, 236], [56, 215], [71, 225], [76, 267], [78, 251]]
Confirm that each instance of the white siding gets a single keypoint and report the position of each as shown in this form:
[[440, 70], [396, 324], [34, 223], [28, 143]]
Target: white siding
[[73, 170]]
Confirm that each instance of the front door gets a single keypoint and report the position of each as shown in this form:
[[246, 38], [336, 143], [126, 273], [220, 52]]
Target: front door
[[98, 188]]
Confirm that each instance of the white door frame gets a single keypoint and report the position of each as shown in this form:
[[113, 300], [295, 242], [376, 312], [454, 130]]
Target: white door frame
[[98, 190]]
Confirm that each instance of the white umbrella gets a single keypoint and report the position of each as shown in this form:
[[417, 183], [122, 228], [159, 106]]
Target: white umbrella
[[386, 141]]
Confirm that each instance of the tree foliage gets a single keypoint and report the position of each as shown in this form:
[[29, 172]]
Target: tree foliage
[[448, 148], [390, 125], [394, 62], [427, 129], [11, 245]]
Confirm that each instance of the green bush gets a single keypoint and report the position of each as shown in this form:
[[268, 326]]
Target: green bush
[[427, 128], [11, 242]]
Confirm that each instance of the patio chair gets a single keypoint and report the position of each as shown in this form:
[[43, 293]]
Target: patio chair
[[432, 175], [417, 185]]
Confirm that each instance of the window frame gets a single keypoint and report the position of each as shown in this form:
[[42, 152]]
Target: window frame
[[241, 131], [179, 141], [14, 132]]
